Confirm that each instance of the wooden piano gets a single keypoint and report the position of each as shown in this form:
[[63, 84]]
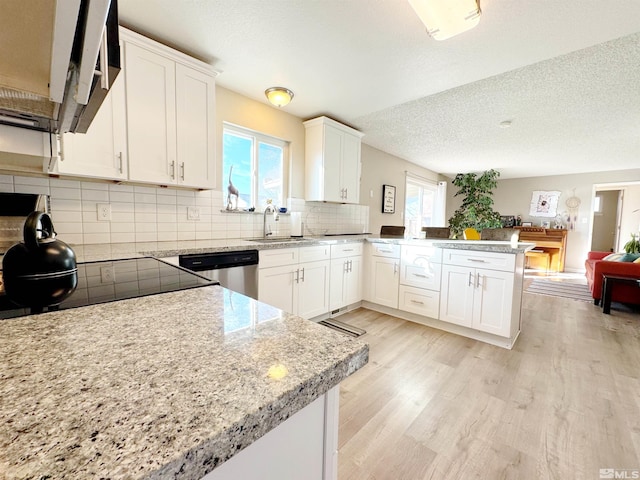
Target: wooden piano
[[549, 240]]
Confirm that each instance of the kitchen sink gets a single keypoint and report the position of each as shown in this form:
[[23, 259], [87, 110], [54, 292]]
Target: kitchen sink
[[278, 239]]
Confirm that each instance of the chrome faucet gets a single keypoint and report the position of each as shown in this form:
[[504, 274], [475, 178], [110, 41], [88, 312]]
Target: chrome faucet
[[274, 210]]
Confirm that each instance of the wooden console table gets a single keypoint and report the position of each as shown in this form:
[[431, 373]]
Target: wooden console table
[[608, 281], [549, 240]]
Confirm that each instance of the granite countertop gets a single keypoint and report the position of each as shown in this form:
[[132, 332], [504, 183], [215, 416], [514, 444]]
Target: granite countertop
[[477, 245], [106, 251], [163, 386]]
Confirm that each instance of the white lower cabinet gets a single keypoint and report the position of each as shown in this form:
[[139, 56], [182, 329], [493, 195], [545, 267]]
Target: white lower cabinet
[[300, 287], [383, 275], [478, 298], [346, 275]]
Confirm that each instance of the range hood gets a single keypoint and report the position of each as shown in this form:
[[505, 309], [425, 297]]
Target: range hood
[[58, 61]]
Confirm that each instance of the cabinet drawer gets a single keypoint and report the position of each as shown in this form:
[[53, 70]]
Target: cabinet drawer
[[313, 254], [346, 250], [277, 257], [419, 301], [475, 259], [422, 273], [385, 250]]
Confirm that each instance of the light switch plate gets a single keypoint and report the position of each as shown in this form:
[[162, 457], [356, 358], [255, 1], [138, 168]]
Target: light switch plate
[[193, 213]]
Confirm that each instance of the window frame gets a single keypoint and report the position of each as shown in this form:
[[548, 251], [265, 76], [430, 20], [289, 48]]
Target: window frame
[[438, 190], [257, 138]]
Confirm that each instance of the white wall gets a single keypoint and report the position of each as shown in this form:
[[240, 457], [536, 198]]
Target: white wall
[[513, 197], [380, 168]]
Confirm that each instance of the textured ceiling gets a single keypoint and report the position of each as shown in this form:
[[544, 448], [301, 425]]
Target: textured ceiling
[[566, 73]]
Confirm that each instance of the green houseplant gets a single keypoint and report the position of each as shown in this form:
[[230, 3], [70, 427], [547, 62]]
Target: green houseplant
[[633, 245], [476, 210]]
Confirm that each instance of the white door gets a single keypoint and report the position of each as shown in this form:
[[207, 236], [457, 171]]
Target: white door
[[350, 168], [456, 295], [353, 281], [492, 302], [276, 287], [151, 115], [384, 281], [313, 289], [102, 151], [337, 285], [195, 111], [332, 164]]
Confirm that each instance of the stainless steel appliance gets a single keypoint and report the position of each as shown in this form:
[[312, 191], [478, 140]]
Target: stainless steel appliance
[[107, 281], [237, 271]]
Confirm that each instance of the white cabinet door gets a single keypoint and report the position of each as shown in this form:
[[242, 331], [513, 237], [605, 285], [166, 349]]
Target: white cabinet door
[[313, 289], [151, 115], [332, 161], [350, 169], [383, 286], [102, 151], [337, 288], [492, 303], [195, 112], [421, 267], [276, 286], [456, 295], [477, 298], [353, 281], [332, 164]]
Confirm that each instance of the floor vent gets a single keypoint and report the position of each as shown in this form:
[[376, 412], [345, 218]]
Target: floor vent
[[343, 327]]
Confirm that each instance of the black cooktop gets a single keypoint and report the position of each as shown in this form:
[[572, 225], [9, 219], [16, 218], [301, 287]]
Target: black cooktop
[[107, 281]]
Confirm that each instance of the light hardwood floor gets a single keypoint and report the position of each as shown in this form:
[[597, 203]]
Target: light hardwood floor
[[564, 403]]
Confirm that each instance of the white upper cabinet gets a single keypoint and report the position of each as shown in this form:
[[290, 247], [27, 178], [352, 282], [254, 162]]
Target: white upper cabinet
[[332, 161], [170, 115], [102, 151]]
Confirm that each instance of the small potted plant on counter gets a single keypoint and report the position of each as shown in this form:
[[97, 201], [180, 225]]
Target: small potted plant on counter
[[633, 245]]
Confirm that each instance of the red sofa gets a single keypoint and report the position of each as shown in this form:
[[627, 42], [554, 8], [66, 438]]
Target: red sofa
[[596, 267]]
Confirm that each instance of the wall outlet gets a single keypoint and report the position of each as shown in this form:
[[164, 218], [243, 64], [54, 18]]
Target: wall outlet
[[107, 275], [104, 212], [193, 213]]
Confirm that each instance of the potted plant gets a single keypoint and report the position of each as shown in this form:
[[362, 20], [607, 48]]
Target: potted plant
[[476, 210], [633, 245]]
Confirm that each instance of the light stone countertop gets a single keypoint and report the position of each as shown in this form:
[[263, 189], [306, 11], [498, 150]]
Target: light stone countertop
[[87, 253], [163, 386]]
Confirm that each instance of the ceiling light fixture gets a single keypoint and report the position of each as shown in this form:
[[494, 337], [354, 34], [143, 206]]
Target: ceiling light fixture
[[446, 18], [279, 96], [505, 124]]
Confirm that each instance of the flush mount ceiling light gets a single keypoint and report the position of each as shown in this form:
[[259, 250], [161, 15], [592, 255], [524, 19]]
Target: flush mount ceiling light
[[446, 18], [279, 96]]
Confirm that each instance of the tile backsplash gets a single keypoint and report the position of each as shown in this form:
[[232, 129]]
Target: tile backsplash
[[146, 214]]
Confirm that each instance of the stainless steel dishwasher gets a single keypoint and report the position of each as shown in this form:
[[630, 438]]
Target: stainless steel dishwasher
[[237, 271]]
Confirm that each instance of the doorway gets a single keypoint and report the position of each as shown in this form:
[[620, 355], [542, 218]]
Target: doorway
[[615, 216]]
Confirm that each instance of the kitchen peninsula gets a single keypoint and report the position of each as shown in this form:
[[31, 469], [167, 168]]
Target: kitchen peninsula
[[167, 386]]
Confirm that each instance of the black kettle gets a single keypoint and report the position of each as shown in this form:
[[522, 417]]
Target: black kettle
[[41, 271]]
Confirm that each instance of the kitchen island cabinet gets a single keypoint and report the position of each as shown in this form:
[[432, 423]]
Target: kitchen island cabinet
[[167, 386]]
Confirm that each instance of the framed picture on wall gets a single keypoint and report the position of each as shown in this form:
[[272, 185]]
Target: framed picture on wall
[[388, 199]]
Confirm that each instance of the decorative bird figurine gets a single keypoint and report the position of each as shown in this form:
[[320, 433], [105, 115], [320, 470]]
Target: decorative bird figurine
[[232, 190]]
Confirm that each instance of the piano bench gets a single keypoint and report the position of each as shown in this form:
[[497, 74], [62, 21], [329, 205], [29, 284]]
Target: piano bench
[[540, 254]]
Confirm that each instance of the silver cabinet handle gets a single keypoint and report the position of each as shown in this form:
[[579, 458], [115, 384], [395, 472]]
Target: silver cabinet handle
[[297, 275], [172, 166], [302, 277], [417, 302], [350, 265], [120, 162], [395, 268], [470, 283], [420, 275], [385, 251], [477, 280], [348, 250], [346, 193], [476, 260], [182, 170]]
